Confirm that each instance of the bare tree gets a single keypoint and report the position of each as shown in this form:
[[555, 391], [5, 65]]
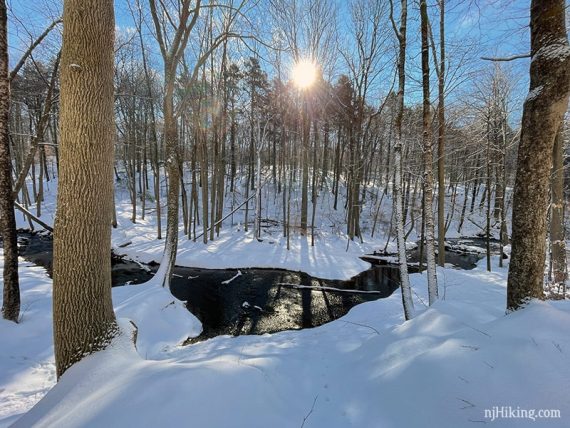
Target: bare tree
[[428, 158], [404, 276], [11, 296], [173, 26]]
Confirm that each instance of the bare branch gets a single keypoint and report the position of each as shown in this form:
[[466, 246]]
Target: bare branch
[[508, 58], [42, 36]]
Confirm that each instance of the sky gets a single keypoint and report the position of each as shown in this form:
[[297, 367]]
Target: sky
[[474, 28]]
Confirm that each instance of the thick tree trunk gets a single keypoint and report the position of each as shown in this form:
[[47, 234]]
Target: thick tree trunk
[[542, 115], [488, 211], [83, 317], [11, 294]]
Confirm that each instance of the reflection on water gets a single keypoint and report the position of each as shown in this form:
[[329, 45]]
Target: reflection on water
[[259, 300]]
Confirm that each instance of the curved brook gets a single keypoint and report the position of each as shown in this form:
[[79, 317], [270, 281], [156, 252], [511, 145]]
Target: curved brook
[[255, 301]]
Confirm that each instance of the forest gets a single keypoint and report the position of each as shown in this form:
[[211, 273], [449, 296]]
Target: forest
[[284, 213]]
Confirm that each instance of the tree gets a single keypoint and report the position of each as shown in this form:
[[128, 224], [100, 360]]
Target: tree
[[543, 111], [11, 296], [440, 70], [256, 85], [172, 48], [404, 276], [428, 158], [171, 55], [83, 317]]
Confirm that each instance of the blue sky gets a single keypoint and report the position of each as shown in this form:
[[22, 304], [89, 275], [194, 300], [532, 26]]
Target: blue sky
[[478, 27]]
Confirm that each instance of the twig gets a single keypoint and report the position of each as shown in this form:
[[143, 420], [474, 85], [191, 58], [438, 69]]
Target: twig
[[310, 411], [362, 325], [469, 404], [325, 288]]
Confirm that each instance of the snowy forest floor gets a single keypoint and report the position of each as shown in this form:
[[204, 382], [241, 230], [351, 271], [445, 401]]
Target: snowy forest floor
[[367, 369], [332, 257]]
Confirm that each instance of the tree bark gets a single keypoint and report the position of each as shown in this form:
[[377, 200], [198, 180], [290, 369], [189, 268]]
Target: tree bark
[[441, 139], [543, 110], [83, 317], [11, 292], [557, 239], [306, 127], [428, 160], [405, 287]]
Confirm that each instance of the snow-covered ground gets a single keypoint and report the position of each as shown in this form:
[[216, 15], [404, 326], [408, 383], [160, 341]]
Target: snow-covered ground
[[457, 364], [332, 257], [27, 367], [368, 369]]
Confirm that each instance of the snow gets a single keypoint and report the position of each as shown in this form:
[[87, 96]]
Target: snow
[[366, 369], [556, 50], [332, 257], [534, 93], [445, 367], [27, 366]]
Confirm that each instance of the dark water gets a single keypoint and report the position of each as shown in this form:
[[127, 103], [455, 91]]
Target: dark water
[[38, 249], [259, 300], [265, 300]]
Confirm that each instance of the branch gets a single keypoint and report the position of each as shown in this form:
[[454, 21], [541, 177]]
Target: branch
[[33, 217], [393, 22], [40, 129], [14, 72], [508, 58]]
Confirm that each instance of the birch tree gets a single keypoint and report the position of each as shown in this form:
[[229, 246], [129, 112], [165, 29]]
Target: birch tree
[[403, 264], [427, 144]]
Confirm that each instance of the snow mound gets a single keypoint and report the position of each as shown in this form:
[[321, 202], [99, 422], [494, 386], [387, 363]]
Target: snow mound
[[446, 367], [161, 319]]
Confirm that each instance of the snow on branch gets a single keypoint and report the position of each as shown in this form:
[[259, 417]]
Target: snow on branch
[[325, 288], [507, 58]]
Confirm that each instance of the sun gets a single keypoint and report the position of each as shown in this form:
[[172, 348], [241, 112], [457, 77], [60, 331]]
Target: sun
[[304, 74]]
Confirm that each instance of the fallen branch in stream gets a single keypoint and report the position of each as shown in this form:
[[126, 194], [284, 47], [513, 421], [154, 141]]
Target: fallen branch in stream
[[227, 281], [325, 288]]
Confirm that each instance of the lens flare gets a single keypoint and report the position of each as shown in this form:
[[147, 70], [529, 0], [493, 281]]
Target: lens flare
[[304, 74]]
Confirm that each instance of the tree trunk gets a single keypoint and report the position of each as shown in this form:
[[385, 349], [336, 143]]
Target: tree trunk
[[172, 169], [488, 211], [428, 160], [441, 139], [305, 166], [407, 301], [83, 317], [543, 110], [11, 295]]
